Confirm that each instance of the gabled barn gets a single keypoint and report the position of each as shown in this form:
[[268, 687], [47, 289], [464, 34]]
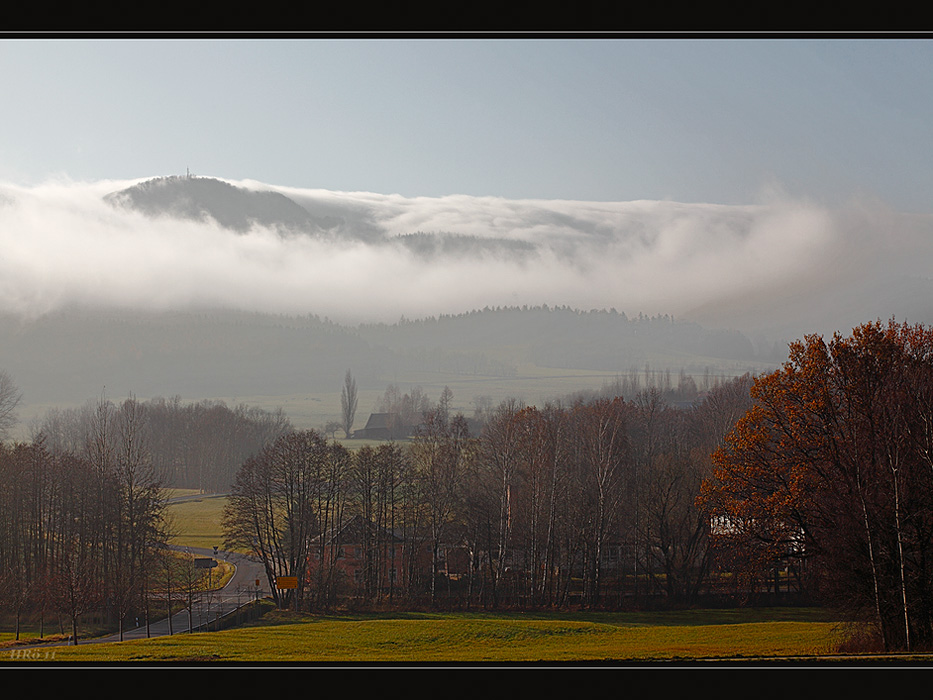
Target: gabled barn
[[384, 426]]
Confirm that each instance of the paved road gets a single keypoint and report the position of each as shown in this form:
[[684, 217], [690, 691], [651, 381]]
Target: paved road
[[208, 607]]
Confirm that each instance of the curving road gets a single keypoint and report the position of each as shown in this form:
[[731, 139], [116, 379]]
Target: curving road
[[247, 583], [207, 607]]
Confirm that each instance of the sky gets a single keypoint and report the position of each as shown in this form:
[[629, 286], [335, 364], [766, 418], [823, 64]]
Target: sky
[[722, 180], [609, 119]]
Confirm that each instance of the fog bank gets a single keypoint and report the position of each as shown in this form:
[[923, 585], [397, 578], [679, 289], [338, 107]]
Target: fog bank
[[779, 263]]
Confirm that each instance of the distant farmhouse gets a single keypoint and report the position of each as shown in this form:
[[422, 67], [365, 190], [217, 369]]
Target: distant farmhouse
[[385, 426]]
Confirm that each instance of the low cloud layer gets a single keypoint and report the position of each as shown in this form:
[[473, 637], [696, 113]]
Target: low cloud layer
[[63, 244]]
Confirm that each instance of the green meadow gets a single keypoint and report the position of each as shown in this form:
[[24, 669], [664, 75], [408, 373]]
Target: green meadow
[[196, 523], [422, 638]]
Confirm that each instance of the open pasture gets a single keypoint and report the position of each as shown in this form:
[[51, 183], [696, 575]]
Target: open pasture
[[487, 638]]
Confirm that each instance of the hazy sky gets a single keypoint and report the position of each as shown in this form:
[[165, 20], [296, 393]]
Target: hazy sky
[[621, 119]]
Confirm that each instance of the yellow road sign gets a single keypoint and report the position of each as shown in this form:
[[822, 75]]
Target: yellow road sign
[[282, 582]]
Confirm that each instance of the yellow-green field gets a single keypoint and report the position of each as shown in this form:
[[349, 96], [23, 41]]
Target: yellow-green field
[[196, 523], [484, 638]]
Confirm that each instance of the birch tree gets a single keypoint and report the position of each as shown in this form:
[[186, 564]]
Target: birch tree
[[10, 397]]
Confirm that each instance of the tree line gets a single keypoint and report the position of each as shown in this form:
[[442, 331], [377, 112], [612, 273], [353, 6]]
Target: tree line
[[544, 506], [198, 445], [82, 503], [80, 530]]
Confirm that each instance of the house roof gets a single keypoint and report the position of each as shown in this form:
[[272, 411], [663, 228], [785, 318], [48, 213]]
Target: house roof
[[380, 420], [354, 531]]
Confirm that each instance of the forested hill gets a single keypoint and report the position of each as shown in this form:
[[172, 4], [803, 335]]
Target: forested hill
[[71, 356], [232, 207], [567, 338]]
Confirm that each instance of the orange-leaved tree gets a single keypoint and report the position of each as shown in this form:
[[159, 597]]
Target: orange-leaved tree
[[832, 468]]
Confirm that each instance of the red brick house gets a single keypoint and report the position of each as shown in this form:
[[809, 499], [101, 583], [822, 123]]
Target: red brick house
[[390, 557], [345, 552]]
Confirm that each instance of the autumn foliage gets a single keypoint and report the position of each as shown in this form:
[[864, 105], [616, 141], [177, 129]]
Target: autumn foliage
[[829, 477]]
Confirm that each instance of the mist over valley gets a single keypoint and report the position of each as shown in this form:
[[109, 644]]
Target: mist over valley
[[203, 287]]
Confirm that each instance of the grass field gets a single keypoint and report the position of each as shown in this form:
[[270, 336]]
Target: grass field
[[421, 639], [532, 384], [197, 523]]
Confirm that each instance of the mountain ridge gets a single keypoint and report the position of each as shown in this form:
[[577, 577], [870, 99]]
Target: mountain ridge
[[233, 207], [68, 356]]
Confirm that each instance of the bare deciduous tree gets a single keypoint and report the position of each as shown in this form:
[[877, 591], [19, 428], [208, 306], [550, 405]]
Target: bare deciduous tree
[[286, 504], [10, 396], [439, 453]]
